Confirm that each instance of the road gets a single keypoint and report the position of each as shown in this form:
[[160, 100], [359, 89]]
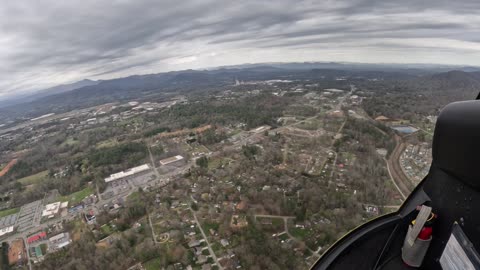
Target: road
[[340, 129], [400, 180], [215, 259], [273, 216], [152, 160], [151, 227], [393, 180], [28, 253]]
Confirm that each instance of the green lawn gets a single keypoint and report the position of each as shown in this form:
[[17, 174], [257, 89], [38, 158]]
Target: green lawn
[[215, 163], [207, 226], [44, 248], [298, 232], [77, 197], [107, 229], [154, 264], [135, 196], [283, 237], [216, 246], [276, 226], [70, 141], [201, 149], [33, 179], [8, 212], [107, 143]]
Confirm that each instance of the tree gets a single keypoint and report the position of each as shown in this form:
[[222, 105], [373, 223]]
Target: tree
[[194, 206], [202, 162], [250, 151]]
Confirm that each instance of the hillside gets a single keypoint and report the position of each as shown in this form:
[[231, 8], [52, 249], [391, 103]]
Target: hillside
[[63, 88], [460, 84]]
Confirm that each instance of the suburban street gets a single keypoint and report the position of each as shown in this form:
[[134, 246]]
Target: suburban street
[[215, 259]]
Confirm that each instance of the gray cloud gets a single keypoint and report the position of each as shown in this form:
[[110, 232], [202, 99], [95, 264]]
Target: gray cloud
[[48, 42]]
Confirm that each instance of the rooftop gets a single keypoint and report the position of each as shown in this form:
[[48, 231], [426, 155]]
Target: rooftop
[[51, 209], [129, 172], [170, 160]]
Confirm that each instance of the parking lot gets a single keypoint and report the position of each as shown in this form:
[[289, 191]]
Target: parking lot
[[27, 215], [142, 179], [8, 221], [115, 188]]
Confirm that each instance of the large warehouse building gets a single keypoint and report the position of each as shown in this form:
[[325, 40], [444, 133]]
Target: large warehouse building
[[127, 173]]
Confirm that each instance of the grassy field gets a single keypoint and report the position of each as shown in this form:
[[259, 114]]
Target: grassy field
[[135, 196], [214, 163], [153, 264], [33, 179], [77, 197], [210, 225], [78, 228], [44, 248], [107, 143], [70, 141], [8, 212], [276, 226], [107, 229], [200, 149], [283, 237], [298, 232]]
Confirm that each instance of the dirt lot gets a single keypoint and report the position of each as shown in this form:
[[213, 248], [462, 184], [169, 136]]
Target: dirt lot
[[16, 248]]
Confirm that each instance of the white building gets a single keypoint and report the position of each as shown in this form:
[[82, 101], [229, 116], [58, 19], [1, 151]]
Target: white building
[[58, 241], [170, 160], [51, 209], [129, 172], [6, 230]]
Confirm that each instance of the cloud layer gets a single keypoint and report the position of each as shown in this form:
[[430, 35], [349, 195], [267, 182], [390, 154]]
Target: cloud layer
[[43, 43]]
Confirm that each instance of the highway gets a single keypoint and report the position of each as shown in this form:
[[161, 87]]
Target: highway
[[401, 181]]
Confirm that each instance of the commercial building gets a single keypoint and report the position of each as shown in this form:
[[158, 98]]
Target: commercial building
[[36, 237], [127, 173], [6, 230], [170, 160], [51, 209], [59, 241]]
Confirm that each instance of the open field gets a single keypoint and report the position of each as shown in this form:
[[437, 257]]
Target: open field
[[153, 264], [107, 229], [8, 212], [34, 178], [107, 143], [78, 196], [70, 141], [298, 232]]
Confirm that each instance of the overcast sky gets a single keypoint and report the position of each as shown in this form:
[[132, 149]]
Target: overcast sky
[[45, 43]]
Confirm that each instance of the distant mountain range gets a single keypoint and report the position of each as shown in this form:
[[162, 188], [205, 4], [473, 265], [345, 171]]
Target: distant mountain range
[[46, 92], [454, 80], [415, 69], [89, 93]]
